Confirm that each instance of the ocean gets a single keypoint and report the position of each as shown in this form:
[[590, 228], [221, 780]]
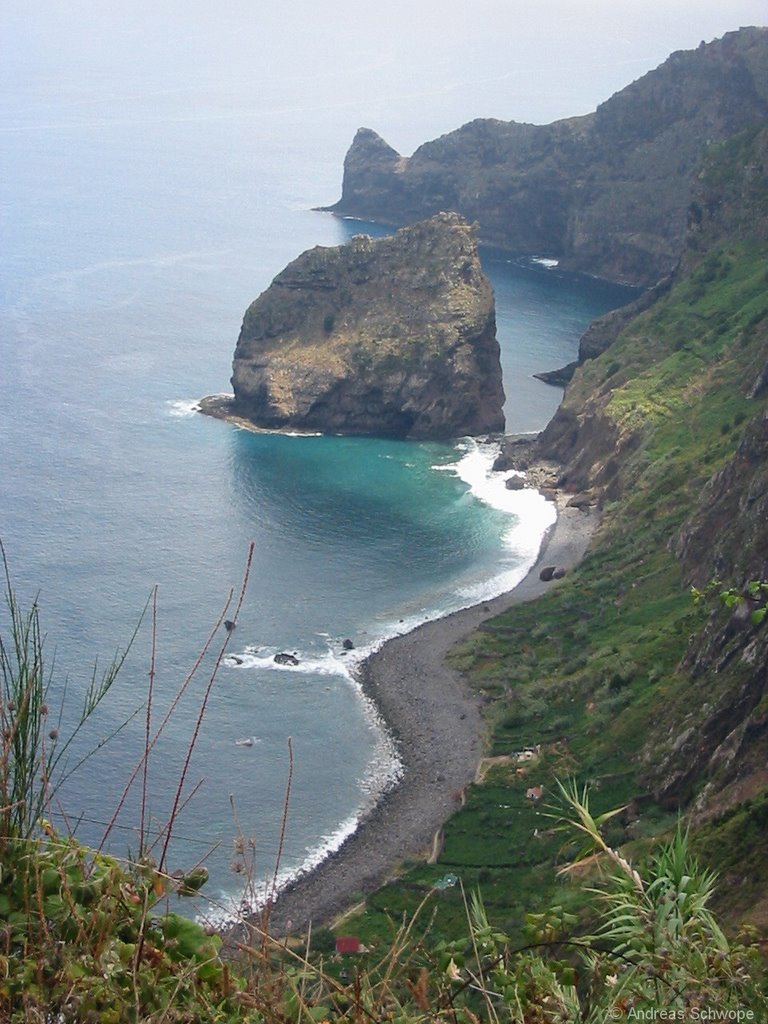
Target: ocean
[[139, 220]]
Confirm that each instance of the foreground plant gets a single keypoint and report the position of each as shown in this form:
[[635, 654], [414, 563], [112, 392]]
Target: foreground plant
[[33, 749], [83, 935], [83, 939], [747, 602], [658, 946]]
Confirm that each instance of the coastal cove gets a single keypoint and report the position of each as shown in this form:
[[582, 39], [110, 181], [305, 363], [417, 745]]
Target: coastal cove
[[112, 483], [383, 513], [334, 520], [439, 733]]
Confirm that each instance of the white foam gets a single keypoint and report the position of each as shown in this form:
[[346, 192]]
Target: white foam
[[228, 909], [328, 844], [182, 407], [530, 515], [328, 663], [384, 771], [475, 468], [252, 428]]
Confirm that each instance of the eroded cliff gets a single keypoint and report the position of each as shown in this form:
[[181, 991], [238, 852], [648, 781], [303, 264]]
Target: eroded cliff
[[607, 193], [670, 423]]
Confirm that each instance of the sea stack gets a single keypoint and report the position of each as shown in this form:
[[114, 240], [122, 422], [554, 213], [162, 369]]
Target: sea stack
[[390, 337]]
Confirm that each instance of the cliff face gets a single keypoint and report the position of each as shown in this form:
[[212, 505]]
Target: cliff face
[[725, 537], [607, 194], [393, 337], [665, 425], [670, 423], [606, 411]]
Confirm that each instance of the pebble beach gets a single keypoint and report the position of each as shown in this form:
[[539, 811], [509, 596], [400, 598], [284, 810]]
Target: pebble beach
[[437, 724]]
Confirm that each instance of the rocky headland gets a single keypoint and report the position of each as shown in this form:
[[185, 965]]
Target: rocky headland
[[391, 337], [607, 194]]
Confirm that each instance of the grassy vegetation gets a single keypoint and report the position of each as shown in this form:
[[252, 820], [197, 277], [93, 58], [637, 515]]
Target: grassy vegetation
[[592, 673]]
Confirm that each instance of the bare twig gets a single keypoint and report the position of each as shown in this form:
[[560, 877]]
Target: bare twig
[[148, 724], [203, 707]]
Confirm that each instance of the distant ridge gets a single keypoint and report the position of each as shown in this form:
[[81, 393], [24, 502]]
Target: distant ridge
[[606, 194]]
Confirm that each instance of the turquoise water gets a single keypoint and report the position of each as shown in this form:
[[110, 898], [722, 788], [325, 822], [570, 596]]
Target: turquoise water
[[137, 227]]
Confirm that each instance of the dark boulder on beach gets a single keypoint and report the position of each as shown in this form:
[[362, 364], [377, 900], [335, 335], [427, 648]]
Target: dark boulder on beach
[[551, 572], [583, 500]]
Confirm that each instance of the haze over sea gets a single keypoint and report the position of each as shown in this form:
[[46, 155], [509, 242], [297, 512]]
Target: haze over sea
[[158, 167]]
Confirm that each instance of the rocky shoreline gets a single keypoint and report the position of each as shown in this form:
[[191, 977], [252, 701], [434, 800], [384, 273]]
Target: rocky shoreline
[[437, 724]]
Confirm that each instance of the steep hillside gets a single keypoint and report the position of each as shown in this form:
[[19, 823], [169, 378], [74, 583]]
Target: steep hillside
[[619, 676], [607, 193], [671, 423]]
